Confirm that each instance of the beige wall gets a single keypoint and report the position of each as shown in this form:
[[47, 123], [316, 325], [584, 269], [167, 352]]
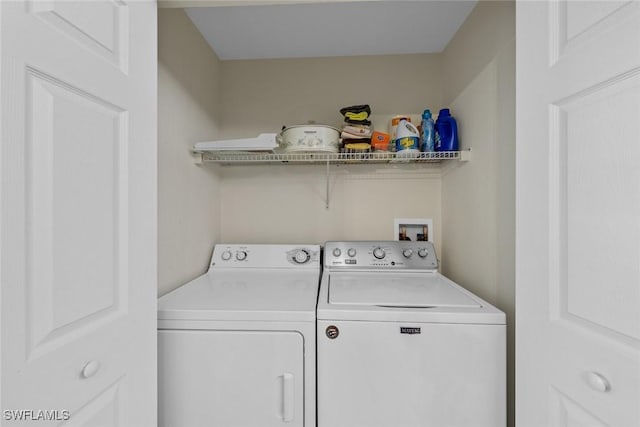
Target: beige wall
[[478, 199], [469, 192], [188, 111], [206, 3], [262, 95], [287, 204], [490, 26]]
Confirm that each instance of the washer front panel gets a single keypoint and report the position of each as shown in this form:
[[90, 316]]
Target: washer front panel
[[409, 374]]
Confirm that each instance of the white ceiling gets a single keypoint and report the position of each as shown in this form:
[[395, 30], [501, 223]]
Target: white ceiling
[[330, 29]]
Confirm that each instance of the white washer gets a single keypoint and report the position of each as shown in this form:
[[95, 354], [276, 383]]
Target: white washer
[[401, 345], [236, 346]]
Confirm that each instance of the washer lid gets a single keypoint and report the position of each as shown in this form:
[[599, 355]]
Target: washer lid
[[396, 290]]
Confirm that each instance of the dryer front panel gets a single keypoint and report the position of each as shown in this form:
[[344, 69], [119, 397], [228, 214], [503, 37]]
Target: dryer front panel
[[392, 374], [230, 378]]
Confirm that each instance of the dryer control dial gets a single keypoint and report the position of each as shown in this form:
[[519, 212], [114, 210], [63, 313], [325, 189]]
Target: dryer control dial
[[301, 256], [337, 252], [351, 252], [407, 253], [226, 255], [241, 255], [379, 253], [422, 253]]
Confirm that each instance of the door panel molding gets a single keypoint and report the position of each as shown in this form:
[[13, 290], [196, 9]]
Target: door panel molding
[[589, 219], [106, 36], [567, 35], [65, 217], [569, 413], [105, 409]]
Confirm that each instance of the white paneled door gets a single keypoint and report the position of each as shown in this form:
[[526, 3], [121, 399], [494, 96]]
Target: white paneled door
[[78, 213], [578, 214]]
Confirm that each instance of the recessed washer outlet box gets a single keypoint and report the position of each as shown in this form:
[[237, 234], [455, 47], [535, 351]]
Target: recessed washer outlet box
[[413, 229]]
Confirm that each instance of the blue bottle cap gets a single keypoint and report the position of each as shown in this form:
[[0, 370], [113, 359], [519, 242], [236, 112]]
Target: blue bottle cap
[[426, 113], [444, 112]]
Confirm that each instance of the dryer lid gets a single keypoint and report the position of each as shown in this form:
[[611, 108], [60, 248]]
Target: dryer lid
[[251, 294], [397, 290]]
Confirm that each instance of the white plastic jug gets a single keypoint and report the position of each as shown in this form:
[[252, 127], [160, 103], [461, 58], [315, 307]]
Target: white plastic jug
[[407, 140], [406, 130]]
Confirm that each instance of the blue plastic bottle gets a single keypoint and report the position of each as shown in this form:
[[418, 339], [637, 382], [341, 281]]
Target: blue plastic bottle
[[428, 132], [446, 132]]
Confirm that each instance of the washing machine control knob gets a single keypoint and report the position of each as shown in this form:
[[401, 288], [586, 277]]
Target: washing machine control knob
[[337, 252], [241, 255], [379, 253], [407, 253], [351, 252], [226, 255], [422, 253], [301, 256]]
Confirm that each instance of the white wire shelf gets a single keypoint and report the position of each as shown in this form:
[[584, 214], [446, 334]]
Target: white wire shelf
[[245, 158]]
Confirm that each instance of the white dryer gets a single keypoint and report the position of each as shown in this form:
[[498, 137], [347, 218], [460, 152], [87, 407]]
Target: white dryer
[[236, 346], [400, 345]]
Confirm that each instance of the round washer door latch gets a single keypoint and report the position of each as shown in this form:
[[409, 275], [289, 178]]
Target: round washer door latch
[[332, 332]]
